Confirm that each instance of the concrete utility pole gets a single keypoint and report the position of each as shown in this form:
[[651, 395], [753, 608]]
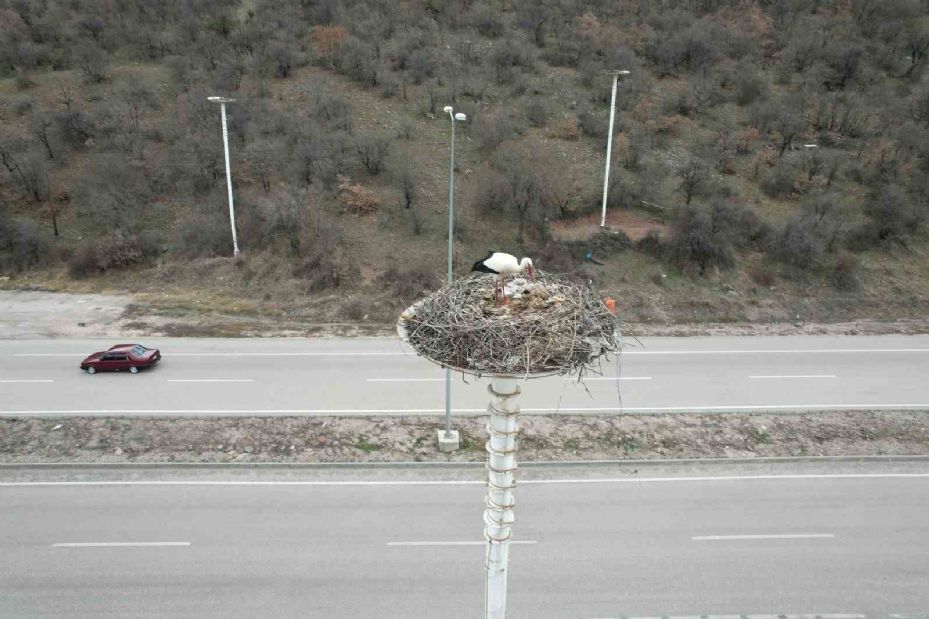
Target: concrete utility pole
[[499, 515], [222, 108], [449, 439], [609, 142]]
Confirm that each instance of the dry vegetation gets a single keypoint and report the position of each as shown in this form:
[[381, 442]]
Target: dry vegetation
[[112, 173], [405, 439]]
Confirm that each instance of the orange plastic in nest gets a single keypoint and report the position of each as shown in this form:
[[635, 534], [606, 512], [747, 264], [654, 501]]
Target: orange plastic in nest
[[610, 304]]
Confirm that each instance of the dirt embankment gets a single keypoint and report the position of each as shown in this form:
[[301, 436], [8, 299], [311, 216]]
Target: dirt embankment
[[41, 314], [405, 439]]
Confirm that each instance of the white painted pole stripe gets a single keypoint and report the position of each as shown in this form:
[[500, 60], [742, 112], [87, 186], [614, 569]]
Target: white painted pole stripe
[[799, 376], [768, 536], [117, 544], [430, 411], [211, 380], [28, 380], [468, 543], [444, 482]]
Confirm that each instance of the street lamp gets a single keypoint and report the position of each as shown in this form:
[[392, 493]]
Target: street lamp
[[609, 141], [222, 108], [449, 442]]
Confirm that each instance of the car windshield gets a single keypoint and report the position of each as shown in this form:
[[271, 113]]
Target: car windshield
[[138, 350]]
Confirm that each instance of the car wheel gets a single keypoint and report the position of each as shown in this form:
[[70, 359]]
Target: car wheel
[[91, 370], [134, 370]]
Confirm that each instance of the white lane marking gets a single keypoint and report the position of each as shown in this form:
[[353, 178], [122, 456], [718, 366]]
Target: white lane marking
[[612, 378], [414, 380], [28, 380], [763, 536], [773, 616], [469, 543], [403, 380], [237, 354], [211, 380], [446, 482], [801, 351], [627, 352], [431, 411], [117, 544], [798, 376]]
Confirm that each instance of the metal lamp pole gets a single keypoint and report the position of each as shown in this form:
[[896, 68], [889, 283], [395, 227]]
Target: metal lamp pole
[[451, 230], [222, 108], [609, 143]]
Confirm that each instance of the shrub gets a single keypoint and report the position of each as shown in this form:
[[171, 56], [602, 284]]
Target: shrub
[[22, 244], [536, 113], [493, 130], [893, 215], [592, 124], [695, 242], [845, 272], [651, 244], [780, 181], [372, 152], [410, 283], [111, 252]]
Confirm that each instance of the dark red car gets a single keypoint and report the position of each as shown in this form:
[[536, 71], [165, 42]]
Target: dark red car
[[132, 357]]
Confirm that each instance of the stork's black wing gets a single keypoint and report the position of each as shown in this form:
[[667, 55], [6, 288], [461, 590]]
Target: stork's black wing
[[481, 267]]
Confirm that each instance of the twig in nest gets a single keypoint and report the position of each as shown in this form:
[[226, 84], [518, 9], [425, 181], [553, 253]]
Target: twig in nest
[[550, 325]]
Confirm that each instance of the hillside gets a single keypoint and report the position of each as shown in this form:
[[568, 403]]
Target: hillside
[[770, 160]]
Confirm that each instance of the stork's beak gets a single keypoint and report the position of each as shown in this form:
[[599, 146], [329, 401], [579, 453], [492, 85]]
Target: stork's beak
[[531, 271]]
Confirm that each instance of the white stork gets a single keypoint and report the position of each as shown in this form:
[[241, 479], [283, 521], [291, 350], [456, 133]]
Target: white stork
[[502, 264]]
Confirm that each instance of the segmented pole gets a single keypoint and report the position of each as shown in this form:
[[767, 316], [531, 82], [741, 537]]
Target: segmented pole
[[501, 465]]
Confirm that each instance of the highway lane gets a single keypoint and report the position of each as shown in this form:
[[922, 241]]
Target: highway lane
[[380, 376], [329, 548]]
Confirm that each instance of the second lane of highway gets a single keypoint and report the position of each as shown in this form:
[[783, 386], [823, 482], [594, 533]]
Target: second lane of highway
[[379, 376]]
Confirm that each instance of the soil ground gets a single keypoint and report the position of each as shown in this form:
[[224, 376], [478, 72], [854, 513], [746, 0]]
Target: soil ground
[[407, 439], [28, 314]]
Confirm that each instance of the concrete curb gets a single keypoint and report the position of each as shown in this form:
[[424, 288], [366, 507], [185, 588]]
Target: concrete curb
[[453, 465]]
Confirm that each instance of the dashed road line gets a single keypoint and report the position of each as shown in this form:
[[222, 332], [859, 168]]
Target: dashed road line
[[118, 544], [763, 536], [458, 543], [797, 376]]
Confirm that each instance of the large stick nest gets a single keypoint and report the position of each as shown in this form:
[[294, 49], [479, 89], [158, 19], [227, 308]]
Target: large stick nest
[[548, 325]]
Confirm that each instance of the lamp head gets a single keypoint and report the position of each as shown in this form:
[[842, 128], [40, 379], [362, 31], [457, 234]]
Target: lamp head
[[447, 109], [460, 116]]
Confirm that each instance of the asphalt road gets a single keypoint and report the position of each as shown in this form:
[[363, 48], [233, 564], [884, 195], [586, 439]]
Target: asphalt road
[[815, 540], [380, 376]]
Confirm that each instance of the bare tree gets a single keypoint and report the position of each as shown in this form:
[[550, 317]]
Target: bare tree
[[372, 151], [409, 192], [693, 174], [40, 124]]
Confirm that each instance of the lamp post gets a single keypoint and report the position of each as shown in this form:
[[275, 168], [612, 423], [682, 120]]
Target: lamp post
[[222, 108], [810, 155], [449, 441], [609, 142]]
